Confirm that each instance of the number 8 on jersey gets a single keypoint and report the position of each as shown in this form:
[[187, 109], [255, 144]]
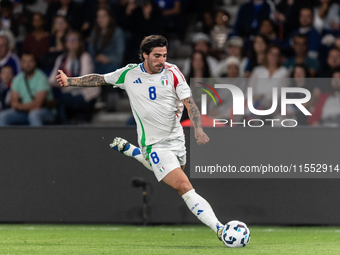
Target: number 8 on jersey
[[152, 93]]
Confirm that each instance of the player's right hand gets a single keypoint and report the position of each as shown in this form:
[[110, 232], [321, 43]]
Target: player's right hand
[[62, 79], [201, 137]]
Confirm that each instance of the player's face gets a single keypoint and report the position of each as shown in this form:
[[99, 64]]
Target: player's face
[[156, 59]]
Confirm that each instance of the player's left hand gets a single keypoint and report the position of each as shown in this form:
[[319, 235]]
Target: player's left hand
[[201, 137], [62, 79]]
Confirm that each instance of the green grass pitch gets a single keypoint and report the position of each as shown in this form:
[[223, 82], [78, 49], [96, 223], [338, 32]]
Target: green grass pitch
[[174, 240]]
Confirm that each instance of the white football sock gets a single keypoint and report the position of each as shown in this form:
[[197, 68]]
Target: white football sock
[[202, 210], [131, 150]]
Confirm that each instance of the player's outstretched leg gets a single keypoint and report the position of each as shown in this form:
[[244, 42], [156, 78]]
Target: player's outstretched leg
[[203, 211], [196, 204], [130, 150]]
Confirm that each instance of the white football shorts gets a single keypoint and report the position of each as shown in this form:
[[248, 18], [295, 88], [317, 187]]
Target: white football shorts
[[166, 156]]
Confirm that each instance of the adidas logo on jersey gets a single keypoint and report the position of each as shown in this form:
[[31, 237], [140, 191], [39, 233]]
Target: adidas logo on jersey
[[138, 81]]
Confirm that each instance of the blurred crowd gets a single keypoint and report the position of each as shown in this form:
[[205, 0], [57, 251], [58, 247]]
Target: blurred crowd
[[283, 43], [255, 39]]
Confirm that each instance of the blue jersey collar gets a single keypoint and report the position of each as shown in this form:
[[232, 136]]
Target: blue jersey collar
[[143, 69]]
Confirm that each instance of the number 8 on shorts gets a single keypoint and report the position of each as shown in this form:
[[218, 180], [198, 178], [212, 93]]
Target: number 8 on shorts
[[154, 157]]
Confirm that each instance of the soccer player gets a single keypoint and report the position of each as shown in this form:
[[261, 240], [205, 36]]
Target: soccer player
[[157, 91]]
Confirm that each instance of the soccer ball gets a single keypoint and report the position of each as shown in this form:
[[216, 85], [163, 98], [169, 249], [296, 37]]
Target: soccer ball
[[235, 234]]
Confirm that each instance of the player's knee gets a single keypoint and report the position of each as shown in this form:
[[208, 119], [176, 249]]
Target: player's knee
[[184, 187]]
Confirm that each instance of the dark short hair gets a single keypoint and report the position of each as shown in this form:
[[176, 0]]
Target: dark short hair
[[304, 67], [271, 22], [149, 43], [307, 8], [29, 54], [303, 36]]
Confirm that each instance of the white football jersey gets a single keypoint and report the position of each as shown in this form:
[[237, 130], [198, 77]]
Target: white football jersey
[[155, 100]]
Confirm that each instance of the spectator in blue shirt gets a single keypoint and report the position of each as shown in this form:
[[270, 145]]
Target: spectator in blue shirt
[[7, 57], [300, 46], [250, 16], [287, 16], [306, 28], [173, 22]]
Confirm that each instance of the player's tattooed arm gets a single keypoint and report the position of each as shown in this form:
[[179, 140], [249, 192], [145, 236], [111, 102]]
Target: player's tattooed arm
[[91, 80], [194, 113], [195, 117]]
